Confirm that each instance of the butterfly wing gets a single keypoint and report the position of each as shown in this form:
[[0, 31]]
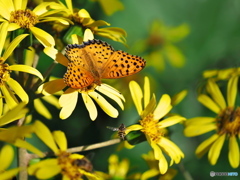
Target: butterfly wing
[[77, 77], [122, 64], [99, 52]]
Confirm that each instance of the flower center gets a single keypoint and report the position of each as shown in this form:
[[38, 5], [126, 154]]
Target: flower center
[[24, 18], [229, 121], [4, 73], [151, 128], [68, 166]]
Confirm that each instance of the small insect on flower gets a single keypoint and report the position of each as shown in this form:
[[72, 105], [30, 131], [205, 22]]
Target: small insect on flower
[[121, 131], [84, 164]]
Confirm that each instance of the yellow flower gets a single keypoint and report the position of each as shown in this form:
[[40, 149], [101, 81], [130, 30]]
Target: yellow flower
[[6, 158], [10, 89], [65, 163], [15, 135], [153, 168], [82, 18], [226, 124], [17, 14], [160, 45], [69, 98], [117, 169], [153, 124], [110, 6]]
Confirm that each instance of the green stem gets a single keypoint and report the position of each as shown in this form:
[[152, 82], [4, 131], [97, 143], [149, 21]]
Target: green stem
[[185, 173]]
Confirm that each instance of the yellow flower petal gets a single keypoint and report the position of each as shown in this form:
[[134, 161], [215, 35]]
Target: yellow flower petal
[[61, 20], [178, 33], [24, 144], [41, 8], [209, 73], [134, 127], [163, 107], [68, 102], [149, 174], [106, 106], [198, 121], [5, 10], [205, 145], [69, 5], [45, 135], [43, 37], [196, 130], [60, 139], [163, 165], [13, 27], [171, 149], [176, 99], [88, 35], [51, 52], [3, 32], [48, 172], [76, 156], [92, 110], [137, 95], [41, 109], [10, 99], [13, 45], [27, 69], [232, 91], [6, 157], [52, 100], [17, 88], [156, 150], [171, 121], [209, 103], [233, 154], [215, 149], [175, 56], [146, 91], [114, 33], [16, 113], [42, 164], [116, 96], [53, 86], [61, 58], [9, 174], [216, 94]]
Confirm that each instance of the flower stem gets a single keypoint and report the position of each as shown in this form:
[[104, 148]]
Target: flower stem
[[93, 146]]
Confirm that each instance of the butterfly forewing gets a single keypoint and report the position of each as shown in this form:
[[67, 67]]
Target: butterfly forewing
[[122, 64], [99, 53]]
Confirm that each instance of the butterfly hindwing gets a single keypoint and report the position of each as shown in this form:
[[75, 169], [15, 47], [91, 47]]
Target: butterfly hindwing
[[122, 64], [78, 77]]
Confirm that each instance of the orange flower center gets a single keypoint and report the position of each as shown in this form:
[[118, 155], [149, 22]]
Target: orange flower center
[[73, 168], [24, 18], [151, 128], [4, 73], [229, 121]]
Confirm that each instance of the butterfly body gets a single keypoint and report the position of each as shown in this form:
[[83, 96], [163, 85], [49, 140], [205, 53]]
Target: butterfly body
[[95, 60]]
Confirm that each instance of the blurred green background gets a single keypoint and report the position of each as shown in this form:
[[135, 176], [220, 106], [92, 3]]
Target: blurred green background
[[213, 43]]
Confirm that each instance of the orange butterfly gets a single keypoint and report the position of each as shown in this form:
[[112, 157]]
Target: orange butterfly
[[95, 60]]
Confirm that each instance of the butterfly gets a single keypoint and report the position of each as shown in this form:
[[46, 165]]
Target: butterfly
[[95, 60]]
